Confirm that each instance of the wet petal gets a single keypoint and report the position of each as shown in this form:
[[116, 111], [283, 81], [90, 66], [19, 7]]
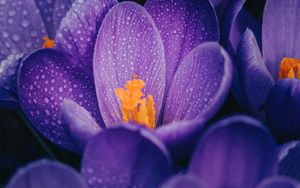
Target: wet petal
[[289, 161], [125, 157], [46, 174], [81, 126], [278, 182], [235, 152], [61, 7], [282, 109], [183, 181], [181, 137], [281, 37], [183, 25], [200, 85], [78, 30], [252, 77], [128, 44], [46, 78], [22, 29]]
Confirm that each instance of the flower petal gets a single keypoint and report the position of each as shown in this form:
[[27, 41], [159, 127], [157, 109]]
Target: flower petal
[[46, 78], [81, 126], [22, 29], [128, 44], [181, 137], [61, 7], [289, 162], [125, 156], [282, 109], [47, 174], [200, 85], [78, 29], [252, 77], [281, 37], [183, 25], [183, 181], [278, 182], [235, 152]]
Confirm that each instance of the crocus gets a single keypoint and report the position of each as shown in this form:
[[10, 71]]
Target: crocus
[[123, 156], [268, 84], [117, 62], [24, 25]]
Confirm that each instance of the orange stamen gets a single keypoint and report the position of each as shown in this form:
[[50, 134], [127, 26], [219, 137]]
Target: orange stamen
[[134, 107], [48, 43], [289, 68]]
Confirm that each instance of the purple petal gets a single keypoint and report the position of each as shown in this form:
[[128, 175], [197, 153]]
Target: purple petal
[[61, 7], [181, 137], [81, 126], [252, 77], [278, 182], [46, 78], [200, 85], [281, 37], [78, 30], [282, 109], [183, 25], [46, 174], [22, 29], [125, 156], [289, 161], [235, 152], [187, 181], [128, 44]]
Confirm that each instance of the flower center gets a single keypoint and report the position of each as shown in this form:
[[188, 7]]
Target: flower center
[[289, 68], [134, 106], [48, 43]]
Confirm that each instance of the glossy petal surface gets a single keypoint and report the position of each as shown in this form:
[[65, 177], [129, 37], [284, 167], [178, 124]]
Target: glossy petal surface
[[22, 29], [123, 157], [61, 7], [235, 152], [282, 109], [200, 85], [183, 181], [281, 37], [278, 182], [128, 44], [183, 25], [46, 174], [46, 78]]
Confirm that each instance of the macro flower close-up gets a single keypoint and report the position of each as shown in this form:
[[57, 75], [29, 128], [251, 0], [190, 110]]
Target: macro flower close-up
[[149, 93]]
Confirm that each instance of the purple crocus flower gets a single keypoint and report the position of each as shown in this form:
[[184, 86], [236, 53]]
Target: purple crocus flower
[[102, 45], [123, 156], [24, 24], [267, 85]]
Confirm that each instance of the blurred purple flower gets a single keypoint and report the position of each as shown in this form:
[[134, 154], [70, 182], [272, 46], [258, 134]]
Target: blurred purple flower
[[101, 44]]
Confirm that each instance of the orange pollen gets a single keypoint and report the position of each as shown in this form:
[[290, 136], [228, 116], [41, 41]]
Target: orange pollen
[[134, 107], [289, 68], [48, 43]]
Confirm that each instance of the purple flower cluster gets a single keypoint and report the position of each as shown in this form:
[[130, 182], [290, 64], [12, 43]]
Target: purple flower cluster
[[133, 90]]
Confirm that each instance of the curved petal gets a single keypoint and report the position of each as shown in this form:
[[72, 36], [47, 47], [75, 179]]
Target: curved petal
[[22, 29], [183, 25], [81, 126], [61, 7], [282, 109], [289, 162], [281, 37], [78, 29], [46, 174], [181, 137], [235, 152], [128, 44], [278, 182], [253, 81], [200, 85], [46, 78], [125, 156], [183, 181]]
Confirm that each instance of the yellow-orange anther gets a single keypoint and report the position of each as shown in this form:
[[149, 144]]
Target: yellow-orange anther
[[134, 107], [289, 68], [48, 43]]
